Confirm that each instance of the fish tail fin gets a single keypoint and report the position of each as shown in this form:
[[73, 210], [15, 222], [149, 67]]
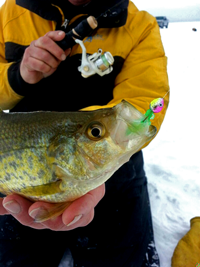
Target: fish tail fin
[[52, 212]]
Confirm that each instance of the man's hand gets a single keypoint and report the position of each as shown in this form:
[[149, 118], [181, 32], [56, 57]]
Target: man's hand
[[42, 57], [80, 213]]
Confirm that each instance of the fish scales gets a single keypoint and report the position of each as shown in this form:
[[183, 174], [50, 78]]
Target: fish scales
[[60, 156], [21, 130], [24, 140]]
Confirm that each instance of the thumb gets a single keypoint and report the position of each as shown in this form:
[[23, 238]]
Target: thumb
[[56, 35]]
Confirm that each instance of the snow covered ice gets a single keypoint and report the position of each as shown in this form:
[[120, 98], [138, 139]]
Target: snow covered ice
[[172, 160]]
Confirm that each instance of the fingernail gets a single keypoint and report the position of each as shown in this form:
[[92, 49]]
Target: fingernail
[[63, 57], [76, 219], [12, 206], [34, 213], [60, 33]]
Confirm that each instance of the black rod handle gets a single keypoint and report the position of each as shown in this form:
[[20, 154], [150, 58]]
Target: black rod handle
[[83, 29]]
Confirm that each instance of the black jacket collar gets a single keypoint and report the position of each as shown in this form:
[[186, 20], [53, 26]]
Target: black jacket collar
[[115, 17]]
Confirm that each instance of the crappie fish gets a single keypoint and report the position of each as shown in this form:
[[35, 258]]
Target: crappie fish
[[60, 156]]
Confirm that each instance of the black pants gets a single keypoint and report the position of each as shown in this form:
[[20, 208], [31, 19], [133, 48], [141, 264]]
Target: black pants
[[118, 236]]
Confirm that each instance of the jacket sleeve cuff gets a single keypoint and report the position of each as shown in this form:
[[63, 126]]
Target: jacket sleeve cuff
[[16, 82]]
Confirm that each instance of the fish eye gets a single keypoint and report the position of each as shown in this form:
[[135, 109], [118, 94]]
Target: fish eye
[[95, 131], [160, 104]]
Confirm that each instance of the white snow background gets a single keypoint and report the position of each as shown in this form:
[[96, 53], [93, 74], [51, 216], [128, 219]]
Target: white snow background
[[172, 159]]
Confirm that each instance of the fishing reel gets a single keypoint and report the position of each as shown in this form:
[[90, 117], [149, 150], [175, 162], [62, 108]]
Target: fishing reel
[[98, 63]]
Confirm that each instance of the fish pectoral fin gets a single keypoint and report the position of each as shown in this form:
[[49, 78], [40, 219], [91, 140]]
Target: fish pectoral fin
[[53, 212], [42, 190], [50, 188], [60, 173]]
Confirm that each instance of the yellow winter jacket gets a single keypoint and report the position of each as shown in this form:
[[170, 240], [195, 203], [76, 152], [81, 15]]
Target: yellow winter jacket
[[187, 251], [139, 73]]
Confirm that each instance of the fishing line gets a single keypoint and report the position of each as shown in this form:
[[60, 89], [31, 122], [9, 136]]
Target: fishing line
[[165, 94]]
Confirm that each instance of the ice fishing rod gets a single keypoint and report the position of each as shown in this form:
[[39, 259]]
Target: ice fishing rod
[[84, 28], [98, 63]]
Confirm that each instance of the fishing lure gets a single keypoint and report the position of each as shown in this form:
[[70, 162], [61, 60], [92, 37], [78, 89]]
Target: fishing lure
[[155, 106]]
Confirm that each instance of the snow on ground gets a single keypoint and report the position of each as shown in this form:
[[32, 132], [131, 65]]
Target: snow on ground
[[172, 160]]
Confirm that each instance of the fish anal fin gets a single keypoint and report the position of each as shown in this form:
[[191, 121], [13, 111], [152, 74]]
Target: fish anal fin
[[54, 211]]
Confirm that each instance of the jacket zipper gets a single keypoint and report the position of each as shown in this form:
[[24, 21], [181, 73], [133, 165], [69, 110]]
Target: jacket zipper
[[65, 23]]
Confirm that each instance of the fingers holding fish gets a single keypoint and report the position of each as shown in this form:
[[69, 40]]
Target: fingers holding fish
[[83, 208], [42, 57], [3, 211], [78, 214], [55, 223], [18, 207]]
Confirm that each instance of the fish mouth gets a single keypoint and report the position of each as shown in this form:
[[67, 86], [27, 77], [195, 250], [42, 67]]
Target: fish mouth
[[121, 143], [131, 132]]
